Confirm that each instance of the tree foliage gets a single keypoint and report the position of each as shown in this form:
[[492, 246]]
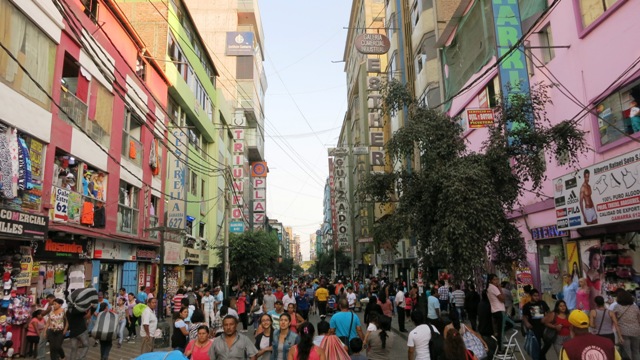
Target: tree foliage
[[456, 202], [324, 263], [251, 254]]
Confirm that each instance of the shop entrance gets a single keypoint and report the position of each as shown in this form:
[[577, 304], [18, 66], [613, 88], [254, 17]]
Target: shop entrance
[[107, 277]]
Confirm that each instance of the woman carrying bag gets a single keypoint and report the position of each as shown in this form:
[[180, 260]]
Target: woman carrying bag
[[602, 321]]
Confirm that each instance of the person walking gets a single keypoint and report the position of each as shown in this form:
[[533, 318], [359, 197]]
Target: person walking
[[283, 339], [380, 342], [198, 348], [132, 319], [532, 315], [208, 306], [232, 344], [56, 327], [457, 300], [241, 305], [419, 338], [42, 343], [306, 349], [35, 330], [602, 321], [104, 330], [123, 319], [148, 326], [180, 330], [78, 333], [443, 296], [264, 339], [496, 299], [345, 324], [322, 296], [628, 316], [558, 321], [574, 348], [471, 302], [400, 307]]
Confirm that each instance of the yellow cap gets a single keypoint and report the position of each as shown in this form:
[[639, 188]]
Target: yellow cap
[[579, 319]]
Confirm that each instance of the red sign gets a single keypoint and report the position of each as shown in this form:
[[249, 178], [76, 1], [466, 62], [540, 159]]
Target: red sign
[[480, 118]]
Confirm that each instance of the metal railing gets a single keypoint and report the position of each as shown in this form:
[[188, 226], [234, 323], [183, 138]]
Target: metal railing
[[74, 107]]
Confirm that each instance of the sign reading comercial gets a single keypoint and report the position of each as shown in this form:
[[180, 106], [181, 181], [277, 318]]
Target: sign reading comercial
[[17, 224], [604, 193], [239, 43], [176, 180], [372, 44]]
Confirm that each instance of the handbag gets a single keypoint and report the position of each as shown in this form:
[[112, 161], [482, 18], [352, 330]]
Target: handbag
[[531, 345], [474, 344], [550, 335]]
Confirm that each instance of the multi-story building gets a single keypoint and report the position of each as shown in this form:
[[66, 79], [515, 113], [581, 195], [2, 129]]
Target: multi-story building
[[234, 38], [84, 137], [313, 238], [586, 216], [198, 167]]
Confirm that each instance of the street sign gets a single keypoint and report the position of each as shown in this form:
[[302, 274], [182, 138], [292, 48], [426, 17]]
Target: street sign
[[236, 226]]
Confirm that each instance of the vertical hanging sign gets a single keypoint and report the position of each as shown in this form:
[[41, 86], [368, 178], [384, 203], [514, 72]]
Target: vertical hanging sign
[[177, 173], [514, 78]]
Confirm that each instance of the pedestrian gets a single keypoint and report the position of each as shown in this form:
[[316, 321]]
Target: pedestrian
[[443, 296], [400, 307], [305, 349], [558, 320], [598, 347], [264, 339], [198, 349], [355, 346], [241, 304], [180, 330], [105, 330], [345, 324], [532, 315], [302, 303], [148, 326], [197, 320], [231, 345], [471, 339], [380, 342], [132, 319], [123, 319], [78, 332], [283, 338], [177, 303], [208, 302], [257, 309], [457, 299], [372, 306], [42, 343], [322, 296], [419, 338], [269, 301], [603, 321], [508, 298], [434, 315], [56, 327], [34, 332], [496, 299], [628, 317], [385, 305], [485, 322], [142, 295], [454, 348], [471, 302]]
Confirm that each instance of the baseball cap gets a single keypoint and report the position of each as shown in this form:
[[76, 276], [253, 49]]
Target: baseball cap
[[579, 319]]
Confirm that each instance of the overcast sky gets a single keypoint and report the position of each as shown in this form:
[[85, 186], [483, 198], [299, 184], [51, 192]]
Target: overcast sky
[[304, 107]]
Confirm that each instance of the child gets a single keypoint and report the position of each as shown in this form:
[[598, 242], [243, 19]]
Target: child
[[355, 345], [34, 331]]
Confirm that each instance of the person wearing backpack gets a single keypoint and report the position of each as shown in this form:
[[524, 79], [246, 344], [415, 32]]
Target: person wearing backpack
[[424, 341]]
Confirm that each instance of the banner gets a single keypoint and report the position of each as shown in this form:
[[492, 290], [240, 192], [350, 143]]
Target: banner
[[604, 193], [176, 181], [591, 259], [573, 264], [18, 224], [523, 278]]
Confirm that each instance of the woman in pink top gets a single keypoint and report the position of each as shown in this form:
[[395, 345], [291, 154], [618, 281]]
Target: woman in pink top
[[198, 349], [241, 304], [582, 295], [36, 326], [385, 304]]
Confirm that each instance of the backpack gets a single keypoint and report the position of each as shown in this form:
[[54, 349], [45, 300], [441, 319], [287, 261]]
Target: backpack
[[436, 344], [105, 326]]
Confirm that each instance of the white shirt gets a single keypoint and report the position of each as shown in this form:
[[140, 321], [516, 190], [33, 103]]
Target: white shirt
[[207, 303], [492, 293], [286, 300], [148, 317], [351, 298], [399, 298], [634, 111], [419, 339]]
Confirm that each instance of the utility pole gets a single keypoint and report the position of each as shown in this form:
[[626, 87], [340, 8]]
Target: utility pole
[[227, 266]]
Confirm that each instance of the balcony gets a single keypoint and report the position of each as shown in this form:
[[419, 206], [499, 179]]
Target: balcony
[[74, 107], [132, 149], [254, 139]]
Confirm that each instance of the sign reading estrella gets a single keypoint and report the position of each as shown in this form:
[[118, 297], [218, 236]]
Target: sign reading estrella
[[176, 181], [513, 68]]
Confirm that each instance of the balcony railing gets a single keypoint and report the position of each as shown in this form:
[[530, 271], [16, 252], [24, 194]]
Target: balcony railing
[[74, 107]]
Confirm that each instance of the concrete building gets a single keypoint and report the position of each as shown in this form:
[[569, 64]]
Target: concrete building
[[582, 48], [200, 131]]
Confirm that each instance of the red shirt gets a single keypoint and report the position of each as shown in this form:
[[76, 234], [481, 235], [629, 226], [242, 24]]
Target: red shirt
[[242, 304], [279, 295]]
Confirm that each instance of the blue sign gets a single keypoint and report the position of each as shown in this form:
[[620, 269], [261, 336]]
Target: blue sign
[[236, 226], [239, 43], [514, 77]]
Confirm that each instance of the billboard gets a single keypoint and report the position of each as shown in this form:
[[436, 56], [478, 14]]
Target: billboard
[[605, 193], [239, 43]]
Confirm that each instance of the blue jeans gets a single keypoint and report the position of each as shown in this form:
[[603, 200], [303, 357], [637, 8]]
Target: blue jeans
[[82, 352], [105, 348], [121, 326]]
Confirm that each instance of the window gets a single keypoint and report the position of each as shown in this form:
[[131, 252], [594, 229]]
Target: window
[[546, 44], [141, 68], [591, 10], [427, 51], [91, 9], [128, 209], [194, 183], [614, 120], [392, 67], [201, 230], [33, 49], [153, 216], [416, 10], [391, 24], [131, 132], [177, 116]]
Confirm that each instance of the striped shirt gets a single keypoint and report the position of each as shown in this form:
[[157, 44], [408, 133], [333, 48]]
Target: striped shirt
[[177, 302]]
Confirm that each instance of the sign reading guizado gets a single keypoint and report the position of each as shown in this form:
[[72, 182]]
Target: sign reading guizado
[[22, 225], [604, 193], [372, 44]]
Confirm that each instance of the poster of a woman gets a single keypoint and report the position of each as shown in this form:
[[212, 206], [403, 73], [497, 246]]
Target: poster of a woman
[[591, 257], [573, 261]]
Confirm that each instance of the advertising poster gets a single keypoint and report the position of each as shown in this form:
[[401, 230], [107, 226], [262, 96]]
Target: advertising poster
[[573, 261], [552, 266], [73, 209], [604, 193], [523, 278], [591, 257]]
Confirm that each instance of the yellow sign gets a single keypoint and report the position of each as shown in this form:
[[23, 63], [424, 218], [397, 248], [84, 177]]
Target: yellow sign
[[24, 278]]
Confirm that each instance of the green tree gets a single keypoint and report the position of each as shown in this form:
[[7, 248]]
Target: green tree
[[251, 254], [324, 263], [455, 201]]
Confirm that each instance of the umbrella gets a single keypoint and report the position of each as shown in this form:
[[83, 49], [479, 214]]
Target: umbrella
[[82, 299]]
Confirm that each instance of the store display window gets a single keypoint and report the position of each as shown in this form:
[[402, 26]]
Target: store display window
[[621, 264], [552, 264], [21, 169], [79, 192], [619, 114]]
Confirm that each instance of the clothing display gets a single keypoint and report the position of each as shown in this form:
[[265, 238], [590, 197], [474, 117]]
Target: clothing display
[[15, 160]]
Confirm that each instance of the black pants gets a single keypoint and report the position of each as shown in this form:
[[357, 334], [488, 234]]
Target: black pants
[[105, 348], [305, 314], [131, 327], [497, 326], [244, 320], [400, 318], [32, 345], [473, 319], [322, 307], [55, 339]]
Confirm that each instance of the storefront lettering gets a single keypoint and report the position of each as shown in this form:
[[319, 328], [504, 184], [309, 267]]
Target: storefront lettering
[[547, 232], [145, 254], [52, 246]]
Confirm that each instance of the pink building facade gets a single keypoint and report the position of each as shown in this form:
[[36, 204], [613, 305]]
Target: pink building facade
[[587, 51]]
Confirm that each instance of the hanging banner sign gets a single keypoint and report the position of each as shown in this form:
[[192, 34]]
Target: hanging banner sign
[[605, 193], [18, 224], [176, 179]]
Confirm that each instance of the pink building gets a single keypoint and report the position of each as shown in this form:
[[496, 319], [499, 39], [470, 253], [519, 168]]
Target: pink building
[[588, 51]]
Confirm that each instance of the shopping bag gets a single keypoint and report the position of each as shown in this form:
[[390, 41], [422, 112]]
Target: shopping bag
[[531, 345], [105, 326]]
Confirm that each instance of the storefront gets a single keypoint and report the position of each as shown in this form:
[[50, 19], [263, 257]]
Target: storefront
[[173, 267], [601, 205], [147, 258], [63, 264], [551, 259], [113, 267], [193, 270]]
